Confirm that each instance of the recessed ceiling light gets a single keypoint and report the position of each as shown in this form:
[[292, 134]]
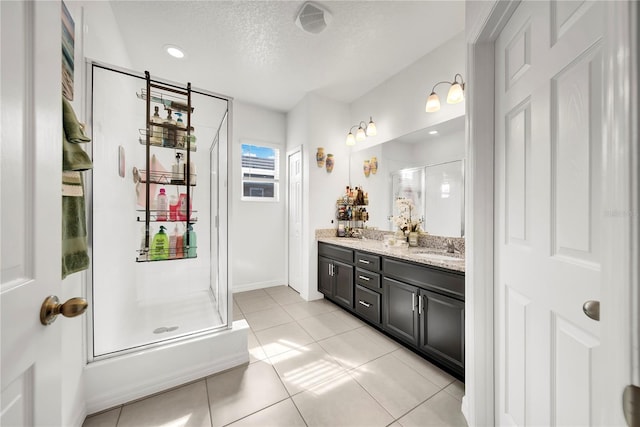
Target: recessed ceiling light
[[174, 51], [433, 132]]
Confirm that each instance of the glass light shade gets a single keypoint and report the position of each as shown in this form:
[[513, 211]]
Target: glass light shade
[[433, 103], [455, 94], [351, 140], [371, 129], [360, 135]]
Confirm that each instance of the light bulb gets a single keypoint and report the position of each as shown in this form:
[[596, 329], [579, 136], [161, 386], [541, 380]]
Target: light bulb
[[360, 135], [351, 140], [433, 103], [455, 94], [371, 128], [174, 51]]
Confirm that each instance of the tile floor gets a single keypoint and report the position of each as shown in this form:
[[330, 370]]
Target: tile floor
[[312, 364]]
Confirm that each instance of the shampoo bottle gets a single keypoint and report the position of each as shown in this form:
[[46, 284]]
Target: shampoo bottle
[[181, 132], [161, 206], [159, 246], [190, 244], [169, 133], [156, 131], [173, 242], [179, 244]]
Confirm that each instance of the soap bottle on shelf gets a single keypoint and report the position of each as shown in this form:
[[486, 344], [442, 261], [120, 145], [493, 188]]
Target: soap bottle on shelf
[[190, 242], [182, 209], [169, 134], [143, 248], [156, 132], [159, 246], [177, 173], [173, 208], [179, 243], [161, 206], [192, 140], [173, 241], [181, 132]]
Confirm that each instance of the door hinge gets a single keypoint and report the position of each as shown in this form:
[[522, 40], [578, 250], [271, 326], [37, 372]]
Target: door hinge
[[631, 405]]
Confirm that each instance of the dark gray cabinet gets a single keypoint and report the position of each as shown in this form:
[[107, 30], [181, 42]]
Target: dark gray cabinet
[[400, 317], [442, 327], [335, 274], [420, 305]]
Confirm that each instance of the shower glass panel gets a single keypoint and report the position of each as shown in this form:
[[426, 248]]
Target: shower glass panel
[[135, 304]]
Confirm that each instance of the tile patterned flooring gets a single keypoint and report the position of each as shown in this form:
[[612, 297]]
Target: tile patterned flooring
[[311, 364]]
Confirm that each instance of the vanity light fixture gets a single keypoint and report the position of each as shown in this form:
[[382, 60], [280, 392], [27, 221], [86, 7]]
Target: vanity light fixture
[[455, 95], [364, 130], [174, 51]]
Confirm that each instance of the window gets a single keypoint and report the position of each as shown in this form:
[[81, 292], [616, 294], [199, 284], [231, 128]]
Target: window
[[260, 173]]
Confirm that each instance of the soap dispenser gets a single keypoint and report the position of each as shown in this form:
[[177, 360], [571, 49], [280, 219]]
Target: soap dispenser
[[159, 246]]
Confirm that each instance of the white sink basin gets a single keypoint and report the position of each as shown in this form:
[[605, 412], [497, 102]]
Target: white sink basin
[[438, 257]]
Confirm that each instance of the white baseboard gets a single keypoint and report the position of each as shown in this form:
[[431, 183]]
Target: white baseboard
[[257, 285]]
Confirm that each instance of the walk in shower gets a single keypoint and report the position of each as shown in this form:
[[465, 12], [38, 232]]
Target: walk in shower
[[159, 153]]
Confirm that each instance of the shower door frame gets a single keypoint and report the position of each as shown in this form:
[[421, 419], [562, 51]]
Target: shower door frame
[[222, 223]]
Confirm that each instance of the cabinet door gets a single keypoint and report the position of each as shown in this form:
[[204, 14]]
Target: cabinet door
[[442, 327], [400, 315], [324, 276], [343, 283]]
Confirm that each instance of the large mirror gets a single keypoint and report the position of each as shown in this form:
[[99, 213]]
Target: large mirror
[[426, 166]]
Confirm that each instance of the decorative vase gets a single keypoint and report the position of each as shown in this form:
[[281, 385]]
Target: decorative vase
[[320, 157], [367, 168], [329, 162], [413, 238], [373, 165]]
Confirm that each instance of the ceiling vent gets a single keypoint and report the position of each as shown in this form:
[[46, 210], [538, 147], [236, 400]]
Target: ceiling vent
[[313, 18]]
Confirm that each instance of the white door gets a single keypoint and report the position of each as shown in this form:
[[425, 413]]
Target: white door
[[295, 219], [548, 242], [30, 201]]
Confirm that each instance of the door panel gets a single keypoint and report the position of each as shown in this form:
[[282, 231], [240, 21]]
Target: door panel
[[343, 283], [295, 220], [442, 327], [549, 109], [400, 315], [30, 222], [324, 276]]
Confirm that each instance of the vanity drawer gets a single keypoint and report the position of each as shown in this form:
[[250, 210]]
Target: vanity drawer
[[368, 304], [335, 252], [368, 279], [368, 261]]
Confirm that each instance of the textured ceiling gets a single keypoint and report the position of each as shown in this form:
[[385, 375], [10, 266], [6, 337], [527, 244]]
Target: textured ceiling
[[254, 52]]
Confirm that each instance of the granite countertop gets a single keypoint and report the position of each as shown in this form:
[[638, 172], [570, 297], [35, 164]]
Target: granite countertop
[[423, 255]]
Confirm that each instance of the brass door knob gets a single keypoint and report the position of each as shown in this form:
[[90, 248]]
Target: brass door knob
[[51, 307]]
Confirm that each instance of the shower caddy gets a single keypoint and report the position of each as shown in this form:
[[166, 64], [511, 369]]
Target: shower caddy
[[180, 101]]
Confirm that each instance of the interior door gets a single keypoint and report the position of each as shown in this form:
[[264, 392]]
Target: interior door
[[549, 110], [30, 211], [295, 220]]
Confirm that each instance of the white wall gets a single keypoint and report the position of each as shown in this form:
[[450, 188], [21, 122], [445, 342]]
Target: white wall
[[397, 105], [96, 36], [440, 150], [319, 122], [257, 229]]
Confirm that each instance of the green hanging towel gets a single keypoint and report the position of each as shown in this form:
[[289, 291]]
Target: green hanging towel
[[75, 256]]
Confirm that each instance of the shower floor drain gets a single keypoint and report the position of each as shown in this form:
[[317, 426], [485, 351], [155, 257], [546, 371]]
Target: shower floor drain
[[163, 329]]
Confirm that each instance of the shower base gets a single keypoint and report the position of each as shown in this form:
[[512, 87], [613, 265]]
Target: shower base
[[154, 321]]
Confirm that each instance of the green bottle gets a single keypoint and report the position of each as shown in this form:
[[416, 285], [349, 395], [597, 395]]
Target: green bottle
[[190, 251], [159, 245]]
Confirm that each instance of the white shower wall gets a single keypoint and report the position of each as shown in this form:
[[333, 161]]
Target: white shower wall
[[135, 304]]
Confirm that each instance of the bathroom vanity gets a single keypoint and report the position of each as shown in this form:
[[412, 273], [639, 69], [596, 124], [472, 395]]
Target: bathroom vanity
[[415, 295]]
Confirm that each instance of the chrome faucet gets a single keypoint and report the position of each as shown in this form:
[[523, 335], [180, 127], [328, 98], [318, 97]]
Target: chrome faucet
[[451, 247]]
